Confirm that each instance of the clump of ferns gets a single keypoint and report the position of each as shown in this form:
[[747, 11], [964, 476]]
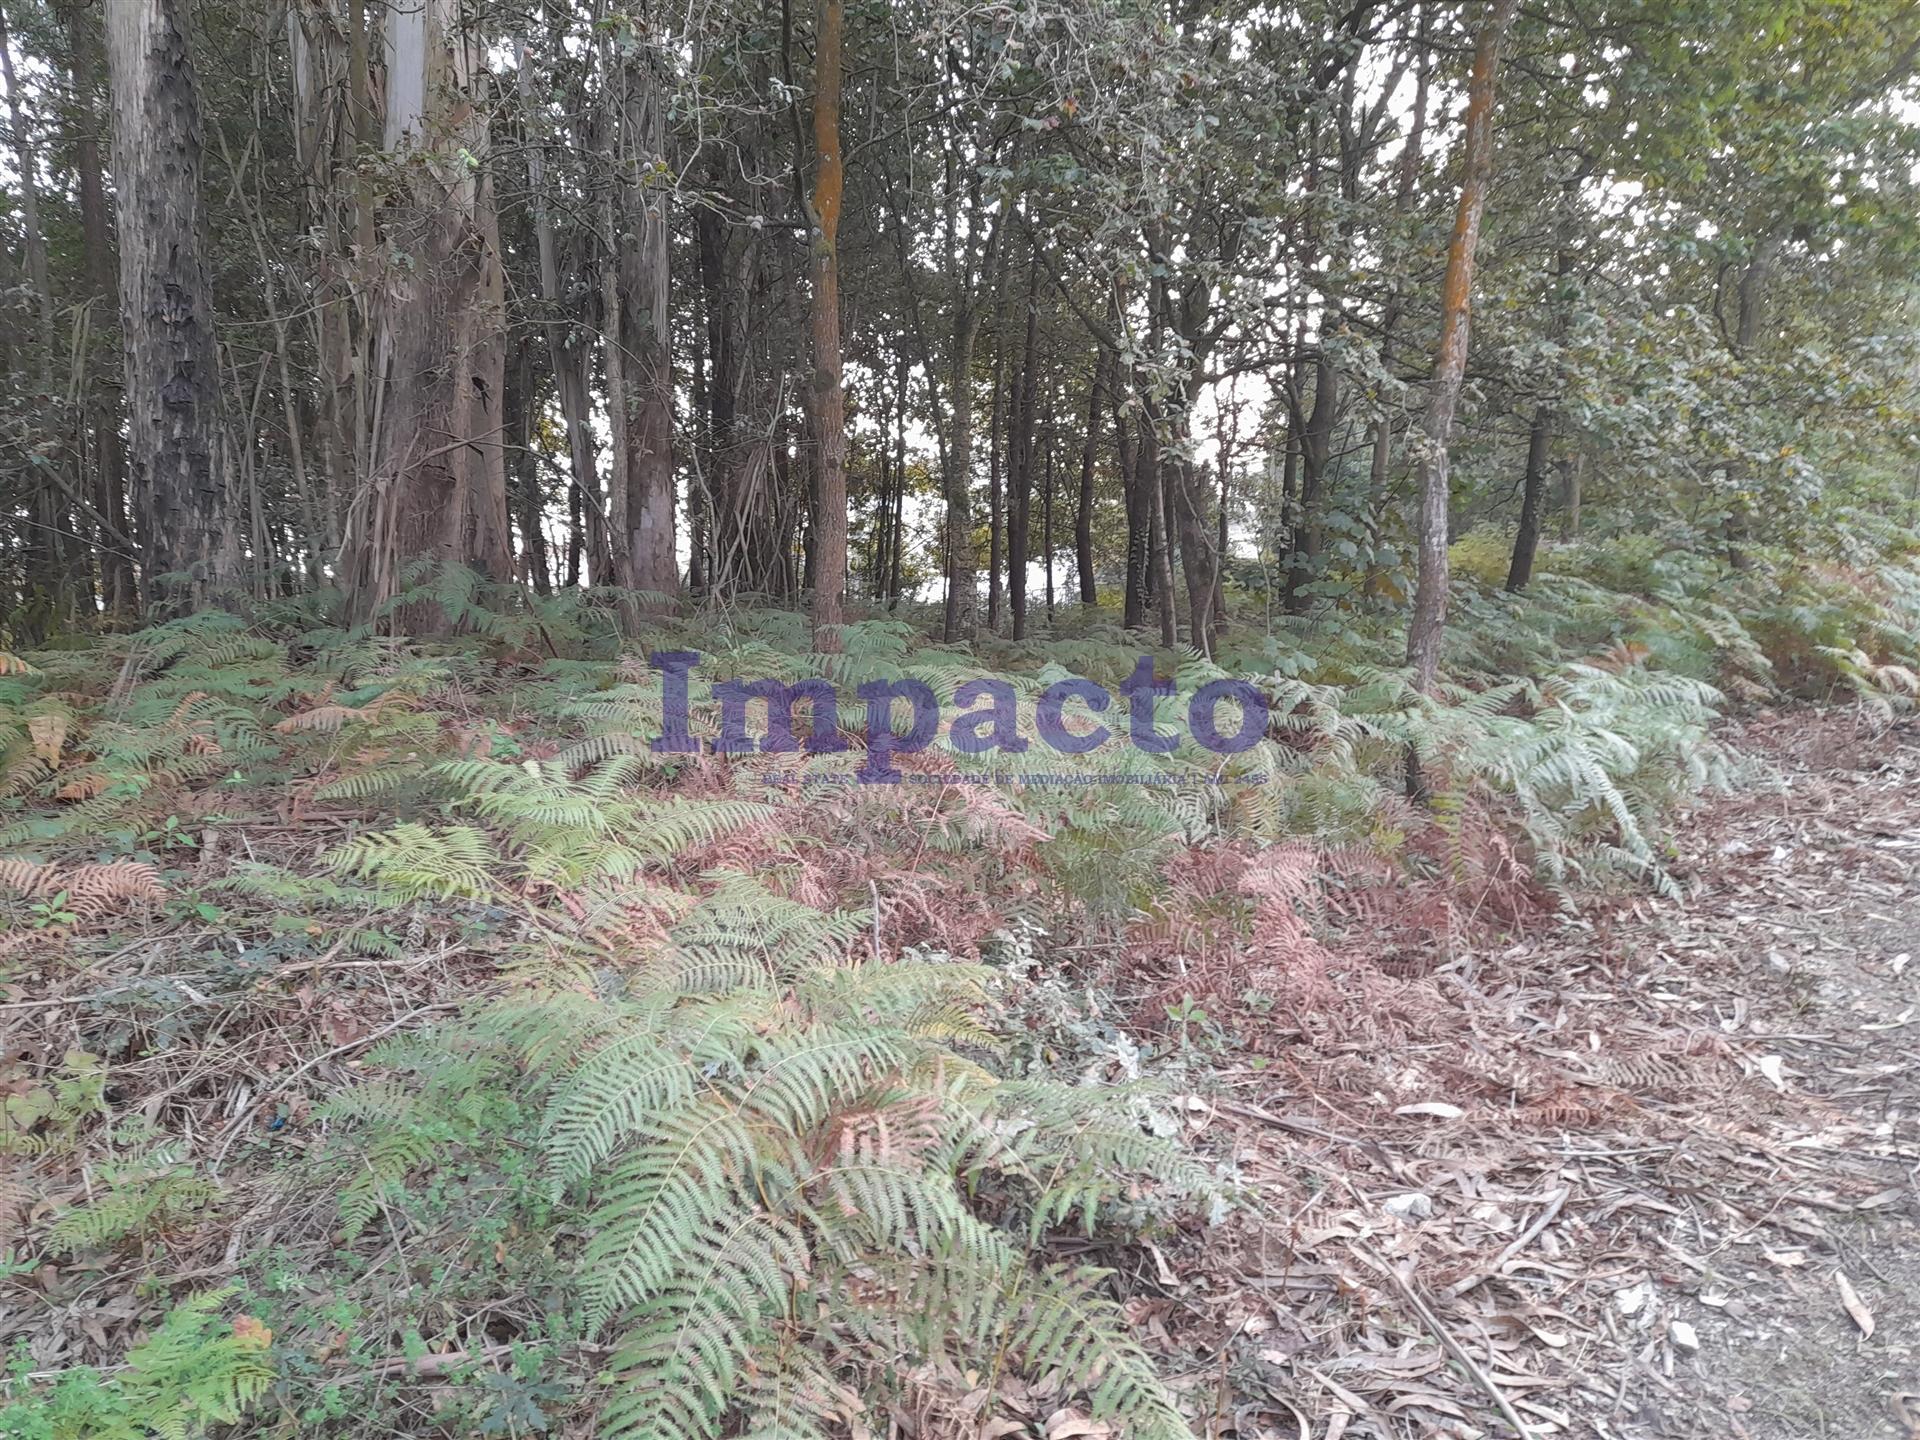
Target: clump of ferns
[[508, 618], [1591, 760], [786, 1162], [141, 766], [571, 829], [1605, 755]]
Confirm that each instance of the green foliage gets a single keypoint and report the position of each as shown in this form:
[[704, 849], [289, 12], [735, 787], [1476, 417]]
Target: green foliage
[[135, 1196], [195, 1372], [773, 1145], [714, 1113]]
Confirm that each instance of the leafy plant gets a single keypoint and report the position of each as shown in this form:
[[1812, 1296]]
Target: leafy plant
[[196, 1371], [779, 1154]]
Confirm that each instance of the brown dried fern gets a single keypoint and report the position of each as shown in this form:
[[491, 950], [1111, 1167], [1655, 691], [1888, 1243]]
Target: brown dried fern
[[90, 889]]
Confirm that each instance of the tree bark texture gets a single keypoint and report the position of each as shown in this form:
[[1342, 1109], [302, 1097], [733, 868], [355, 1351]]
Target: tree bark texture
[[829, 392], [166, 306], [438, 489], [1427, 626]]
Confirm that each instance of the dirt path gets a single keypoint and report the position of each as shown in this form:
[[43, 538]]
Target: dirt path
[[1651, 1176], [1821, 911]]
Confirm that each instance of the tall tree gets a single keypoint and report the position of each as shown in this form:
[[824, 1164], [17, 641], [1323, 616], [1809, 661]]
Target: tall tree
[[829, 390], [1427, 625], [639, 355], [187, 521], [438, 487], [567, 349], [119, 595], [1083, 512]]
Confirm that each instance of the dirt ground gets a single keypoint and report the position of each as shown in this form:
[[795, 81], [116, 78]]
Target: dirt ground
[[1840, 991], [1650, 1174]]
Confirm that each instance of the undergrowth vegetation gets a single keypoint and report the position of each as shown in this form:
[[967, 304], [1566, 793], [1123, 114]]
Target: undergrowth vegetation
[[717, 1094]]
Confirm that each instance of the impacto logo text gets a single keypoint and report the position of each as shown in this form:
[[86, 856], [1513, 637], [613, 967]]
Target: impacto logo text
[[989, 718]]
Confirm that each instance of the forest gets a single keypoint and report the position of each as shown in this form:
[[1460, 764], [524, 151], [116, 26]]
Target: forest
[[960, 719]]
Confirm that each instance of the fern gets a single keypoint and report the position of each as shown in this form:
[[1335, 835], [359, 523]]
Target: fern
[[411, 861], [139, 1196], [195, 1372], [760, 1146]]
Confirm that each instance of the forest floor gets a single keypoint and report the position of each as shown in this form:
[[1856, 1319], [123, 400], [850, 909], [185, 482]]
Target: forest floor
[[1646, 1171], [1696, 1215]]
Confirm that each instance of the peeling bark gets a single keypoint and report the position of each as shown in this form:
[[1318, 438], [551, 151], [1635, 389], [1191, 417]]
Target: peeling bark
[[166, 306]]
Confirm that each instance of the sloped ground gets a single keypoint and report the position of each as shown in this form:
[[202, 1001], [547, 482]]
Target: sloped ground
[[1652, 1176], [1608, 1169]]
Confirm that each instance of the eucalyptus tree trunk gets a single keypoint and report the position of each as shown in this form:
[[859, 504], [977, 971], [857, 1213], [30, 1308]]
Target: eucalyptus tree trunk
[[566, 348], [639, 355], [829, 393], [1083, 513], [53, 570], [438, 488], [27, 162], [166, 304], [740, 419], [118, 595], [1427, 626]]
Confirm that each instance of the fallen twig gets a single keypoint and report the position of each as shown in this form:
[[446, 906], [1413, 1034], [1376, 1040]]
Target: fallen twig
[[1526, 1238], [1444, 1336]]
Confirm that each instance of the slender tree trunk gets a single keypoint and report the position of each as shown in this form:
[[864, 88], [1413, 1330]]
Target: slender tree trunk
[[1083, 513], [829, 396], [566, 353], [1185, 496], [1020, 455], [1428, 623], [166, 303], [117, 590], [1404, 186], [645, 556], [361, 371], [1139, 578], [1570, 512], [996, 445], [1153, 479], [1046, 521], [325, 144], [878, 536], [1227, 435], [1316, 451], [1533, 498], [957, 481], [957, 446], [575, 538], [27, 160], [899, 489], [1533, 495], [522, 401]]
